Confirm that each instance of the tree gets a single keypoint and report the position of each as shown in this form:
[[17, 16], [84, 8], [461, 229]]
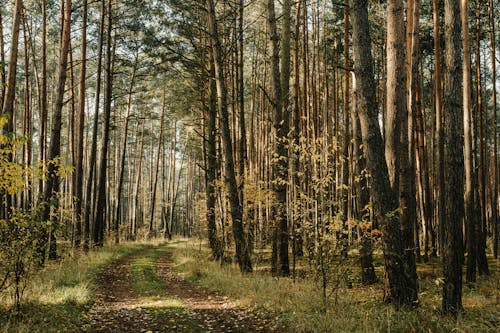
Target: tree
[[53, 170], [100, 219], [242, 253], [280, 262], [453, 160], [384, 197], [79, 176]]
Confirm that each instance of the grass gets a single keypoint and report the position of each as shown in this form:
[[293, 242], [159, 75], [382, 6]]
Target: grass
[[57, 297], [299, 307], [152, 293]]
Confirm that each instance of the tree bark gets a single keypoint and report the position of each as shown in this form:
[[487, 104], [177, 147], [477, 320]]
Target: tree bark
[[470, 218], [280, 262], [100, 219], [385, 198], [242, 253], [78, 188], [89, 207], [52, 186], [453, 161]]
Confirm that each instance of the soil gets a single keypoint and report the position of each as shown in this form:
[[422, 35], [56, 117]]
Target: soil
[[118, 308]]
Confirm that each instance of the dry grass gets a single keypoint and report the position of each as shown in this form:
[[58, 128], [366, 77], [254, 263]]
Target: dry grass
[[299, 305]]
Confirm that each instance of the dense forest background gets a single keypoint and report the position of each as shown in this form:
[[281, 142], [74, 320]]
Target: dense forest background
[[320, 130]]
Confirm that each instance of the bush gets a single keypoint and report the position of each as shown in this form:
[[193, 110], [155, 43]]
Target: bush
[[18, 237]]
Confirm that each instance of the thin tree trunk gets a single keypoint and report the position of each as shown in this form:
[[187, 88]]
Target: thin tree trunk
[[157, 167], [470, 218], [119, 190], [482, 261], [52, 187], [494, 192], [78, 189], [100, 219], [89, 207], [242, 252]]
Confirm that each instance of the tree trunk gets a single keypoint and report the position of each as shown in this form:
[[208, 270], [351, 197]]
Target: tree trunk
[[280, 262], [453, 161], [89, 207], [494, 191], [52, 187], [470, 218], [119, 189], [78, 188], [100, 218], [385, 199], [242, 254], [157, 167]]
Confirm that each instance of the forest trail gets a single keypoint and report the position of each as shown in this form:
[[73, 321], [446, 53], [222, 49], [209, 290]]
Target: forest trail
[[179, 307]]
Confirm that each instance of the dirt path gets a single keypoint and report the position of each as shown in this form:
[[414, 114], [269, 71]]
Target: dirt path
[[214, 312], [119, 309]]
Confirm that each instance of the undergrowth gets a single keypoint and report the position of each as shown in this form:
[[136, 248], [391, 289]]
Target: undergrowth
[[299, 306], [153, 296], [57, 296]]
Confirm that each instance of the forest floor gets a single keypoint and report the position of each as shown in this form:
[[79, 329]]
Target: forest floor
[[142, 293], [176, 287]]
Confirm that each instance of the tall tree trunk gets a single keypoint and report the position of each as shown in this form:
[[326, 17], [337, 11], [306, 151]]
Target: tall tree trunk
[[100, 218], [89, 207], [385, 199], [157, 167], [453, 161], [119, 189], [211, 166], [407, 200], [50, 194], [438, 82], [242, 253], [396, 94], [470, 218], [10, 93], [494, 192], [482, 260], [43, 97], [2, 68], [280, 262], [78, 188]]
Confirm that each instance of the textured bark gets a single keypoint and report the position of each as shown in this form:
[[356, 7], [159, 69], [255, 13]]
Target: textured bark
[[385, 199], [89, 206], [78, 188], [396, 95], [406, 152], [119, 189], [454, 163], [482, 260], [494, 191], [438, 82], [280, 262], [10, 93], [469, 197], [2, 68], [157, 167], [100, 219], [242, 253], [52, 187], [211, 169]]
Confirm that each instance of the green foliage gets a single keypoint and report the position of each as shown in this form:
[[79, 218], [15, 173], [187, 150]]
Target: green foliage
[[18, 238], [57, 297], [143, 275]]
